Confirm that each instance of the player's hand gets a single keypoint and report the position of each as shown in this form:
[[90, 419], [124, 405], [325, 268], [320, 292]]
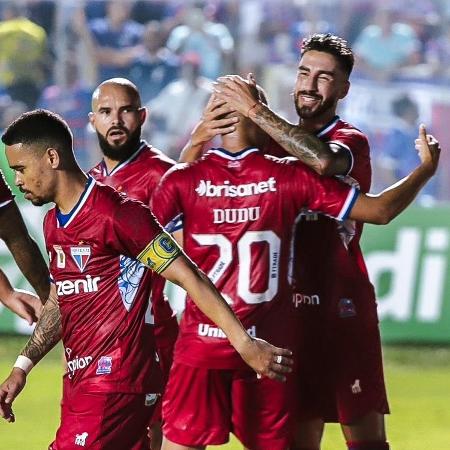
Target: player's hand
[[25, 304], [428, 149], [267, 360], [237, 92], [9, 390]]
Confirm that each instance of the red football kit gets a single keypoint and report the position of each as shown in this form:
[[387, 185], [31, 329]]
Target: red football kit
[[97, 254], [137, 177], [342, 374], [238, 211]]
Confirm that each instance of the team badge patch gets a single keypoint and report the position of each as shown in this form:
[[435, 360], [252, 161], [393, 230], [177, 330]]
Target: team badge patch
[[104, 365], [81, 256], [346, 308], [160, 253]]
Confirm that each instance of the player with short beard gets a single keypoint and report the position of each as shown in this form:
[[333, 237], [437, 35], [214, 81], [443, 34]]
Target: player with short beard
[[133, 167]]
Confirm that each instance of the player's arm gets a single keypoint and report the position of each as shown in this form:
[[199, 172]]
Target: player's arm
[[24, 249], [25, 304], [45, 336], [382, 208], [212, 123], [165, 257], [319, 156]]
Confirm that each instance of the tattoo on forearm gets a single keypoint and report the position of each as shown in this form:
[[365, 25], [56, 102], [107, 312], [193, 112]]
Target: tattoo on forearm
[[46, 334], [304, 146]]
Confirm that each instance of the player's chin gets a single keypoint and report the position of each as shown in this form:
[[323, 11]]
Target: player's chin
[[37, 201]]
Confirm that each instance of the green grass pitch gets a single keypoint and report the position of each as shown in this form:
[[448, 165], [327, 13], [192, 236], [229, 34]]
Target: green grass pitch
[[418, 380]]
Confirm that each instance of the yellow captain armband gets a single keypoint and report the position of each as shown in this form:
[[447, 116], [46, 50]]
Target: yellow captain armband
[[160, 253]]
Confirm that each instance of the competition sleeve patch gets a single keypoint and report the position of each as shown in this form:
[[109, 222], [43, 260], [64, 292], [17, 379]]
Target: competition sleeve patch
[[160, 253]]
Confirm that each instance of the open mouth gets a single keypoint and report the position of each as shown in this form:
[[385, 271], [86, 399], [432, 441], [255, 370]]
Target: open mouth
[[117, 132]]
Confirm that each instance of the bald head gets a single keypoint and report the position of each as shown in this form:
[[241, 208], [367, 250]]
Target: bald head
[[119, 84]]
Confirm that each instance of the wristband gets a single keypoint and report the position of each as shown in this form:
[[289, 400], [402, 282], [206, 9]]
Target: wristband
[[24, 363], [251, 107]]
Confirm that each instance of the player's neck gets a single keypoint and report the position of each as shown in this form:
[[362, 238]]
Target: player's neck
[[316, 123], [235, 143], [71, 186], [110, 163]]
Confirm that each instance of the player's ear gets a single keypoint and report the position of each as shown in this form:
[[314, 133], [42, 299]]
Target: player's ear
[[143, 113], [53, 157], [344, 89], [91, 117]]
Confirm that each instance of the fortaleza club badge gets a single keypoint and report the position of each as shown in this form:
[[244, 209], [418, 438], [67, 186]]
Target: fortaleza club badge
[[81, 256]]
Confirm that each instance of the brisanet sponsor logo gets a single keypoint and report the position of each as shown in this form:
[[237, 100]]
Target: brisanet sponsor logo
[[82, 285], [207, 189]]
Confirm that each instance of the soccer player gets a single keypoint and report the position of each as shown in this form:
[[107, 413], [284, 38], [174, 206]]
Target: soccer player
[[133, 167], [248, 204], [101, 245], [28, 258], [342, 378]]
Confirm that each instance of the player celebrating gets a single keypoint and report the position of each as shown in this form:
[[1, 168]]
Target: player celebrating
[[100, 246], [342, 378], [248, 204], [27, 256], [133, 167]]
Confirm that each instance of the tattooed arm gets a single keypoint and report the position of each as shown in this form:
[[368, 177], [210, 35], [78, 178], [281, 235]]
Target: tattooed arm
[[324, 159], [45, 336]]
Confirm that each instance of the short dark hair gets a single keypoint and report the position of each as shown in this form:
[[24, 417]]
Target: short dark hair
[[334, 45], [41, 127]]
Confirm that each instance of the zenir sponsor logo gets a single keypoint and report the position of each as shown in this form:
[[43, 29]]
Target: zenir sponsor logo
[[82, 285]]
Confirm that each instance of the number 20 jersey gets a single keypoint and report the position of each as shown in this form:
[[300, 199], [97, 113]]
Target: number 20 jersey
[[238, 212]]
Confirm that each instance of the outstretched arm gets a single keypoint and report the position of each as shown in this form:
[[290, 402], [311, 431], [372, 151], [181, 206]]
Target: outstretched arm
[[262, 357], [212, 124], [45, 336], [25, 304], [24, 249], [382, 208], [298, 142]]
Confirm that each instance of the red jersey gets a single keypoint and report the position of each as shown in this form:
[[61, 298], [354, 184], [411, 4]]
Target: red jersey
[[138, 177], [238, 212], [103, 289], [6, 195], [328, 257]]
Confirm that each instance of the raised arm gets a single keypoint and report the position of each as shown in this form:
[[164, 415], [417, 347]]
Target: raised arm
[[261, 356], [24, 249], [212, 124], [382, 208], [45, 336], [298, 142]]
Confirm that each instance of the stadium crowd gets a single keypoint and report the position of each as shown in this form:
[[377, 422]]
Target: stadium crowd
[[53, 53]]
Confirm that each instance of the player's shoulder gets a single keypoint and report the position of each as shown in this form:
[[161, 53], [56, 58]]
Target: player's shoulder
[[350, 132], [156, 158], [96, 172]]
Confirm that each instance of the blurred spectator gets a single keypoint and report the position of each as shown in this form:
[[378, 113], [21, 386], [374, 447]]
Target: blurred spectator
[[178, 107], [22, 55], [116, 40], [437, 53], [385, 46], [144, 11], [43, 13], [398, 157], [156, 66], [71, 100], [211, 41]]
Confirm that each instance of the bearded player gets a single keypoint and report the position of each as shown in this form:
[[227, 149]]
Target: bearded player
[[248, 205]]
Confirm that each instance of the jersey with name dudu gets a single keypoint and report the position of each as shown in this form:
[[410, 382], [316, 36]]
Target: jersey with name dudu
[[103, 288], [6, 195], [326, 249], [238, 213], [137, 177]]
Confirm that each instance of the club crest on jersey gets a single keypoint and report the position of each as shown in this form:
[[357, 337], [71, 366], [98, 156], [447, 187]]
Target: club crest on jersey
[[60, 257], [104, 365], [81, 256]]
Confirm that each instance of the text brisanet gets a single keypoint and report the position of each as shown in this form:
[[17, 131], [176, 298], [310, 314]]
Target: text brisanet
[[208, 189]]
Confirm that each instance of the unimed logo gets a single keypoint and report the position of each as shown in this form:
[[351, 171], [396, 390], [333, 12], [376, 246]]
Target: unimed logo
[[207, 189]]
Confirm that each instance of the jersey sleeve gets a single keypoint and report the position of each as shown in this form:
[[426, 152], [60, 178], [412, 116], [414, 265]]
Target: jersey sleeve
[[135, 232], [323, 194], [166, 201], [357, 144]]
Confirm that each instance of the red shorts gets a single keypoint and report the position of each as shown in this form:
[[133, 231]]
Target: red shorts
[[202, 406], [341, 370], [97, 421]]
